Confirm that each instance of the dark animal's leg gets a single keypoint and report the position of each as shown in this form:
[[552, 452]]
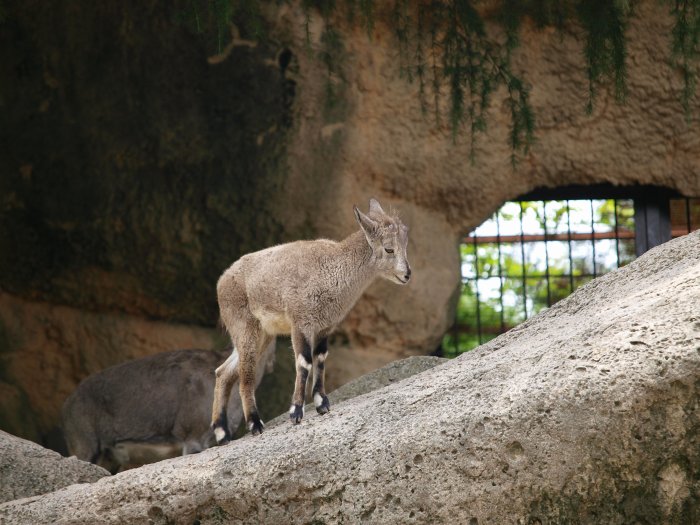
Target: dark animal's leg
[[108, 461], [191, 447], [302, 355], [321, 402], [226, 376]]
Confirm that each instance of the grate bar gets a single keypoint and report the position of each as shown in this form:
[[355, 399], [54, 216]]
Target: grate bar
[[538, 237]]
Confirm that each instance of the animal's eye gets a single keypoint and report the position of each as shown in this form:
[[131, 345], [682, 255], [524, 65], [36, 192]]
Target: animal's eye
[[388, 250]]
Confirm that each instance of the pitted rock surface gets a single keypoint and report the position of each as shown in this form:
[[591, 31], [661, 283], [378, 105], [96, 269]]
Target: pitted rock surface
[[391, 373], [26, 469]]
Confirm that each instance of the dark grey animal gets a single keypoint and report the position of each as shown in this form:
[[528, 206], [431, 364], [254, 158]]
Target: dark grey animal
[[148, 409]]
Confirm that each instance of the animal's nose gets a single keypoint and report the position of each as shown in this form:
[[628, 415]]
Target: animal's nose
[[408, 274]]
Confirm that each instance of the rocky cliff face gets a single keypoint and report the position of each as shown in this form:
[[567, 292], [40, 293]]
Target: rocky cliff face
[[587, 413], [137, 169]]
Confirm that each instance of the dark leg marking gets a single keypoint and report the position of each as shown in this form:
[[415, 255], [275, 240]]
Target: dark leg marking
[[321, 401], [321, 347], [323, 405], [306, 350], [304, 362]]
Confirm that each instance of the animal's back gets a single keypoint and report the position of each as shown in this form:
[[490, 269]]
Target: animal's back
[[162, 397], [270, 283]]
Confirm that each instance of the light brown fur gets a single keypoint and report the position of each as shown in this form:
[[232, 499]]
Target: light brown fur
[[303, 289]]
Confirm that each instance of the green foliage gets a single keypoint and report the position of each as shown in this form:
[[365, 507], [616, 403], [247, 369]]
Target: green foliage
[[605, 22], [461, 54], [216, 16], [332, 49], [505, 284], [685, 39], [446, 47]]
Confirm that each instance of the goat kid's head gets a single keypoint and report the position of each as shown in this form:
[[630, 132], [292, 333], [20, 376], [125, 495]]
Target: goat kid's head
[[388, 237]]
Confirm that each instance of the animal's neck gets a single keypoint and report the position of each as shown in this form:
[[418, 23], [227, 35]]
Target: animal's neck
[[359, 270], [355, 245]]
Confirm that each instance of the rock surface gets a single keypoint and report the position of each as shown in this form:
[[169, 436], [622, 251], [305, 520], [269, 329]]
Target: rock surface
[[26, 469], [586, 413], [391, 373]]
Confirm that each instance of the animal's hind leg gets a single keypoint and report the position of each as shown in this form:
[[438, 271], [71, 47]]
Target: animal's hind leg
[[253, 341], [226, 376], [302, 354]]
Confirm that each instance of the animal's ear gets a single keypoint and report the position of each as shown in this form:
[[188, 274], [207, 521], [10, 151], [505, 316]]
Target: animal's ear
[[375, 207], [368, 225]]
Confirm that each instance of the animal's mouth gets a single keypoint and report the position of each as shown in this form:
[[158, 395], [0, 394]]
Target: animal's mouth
[[400, 280]]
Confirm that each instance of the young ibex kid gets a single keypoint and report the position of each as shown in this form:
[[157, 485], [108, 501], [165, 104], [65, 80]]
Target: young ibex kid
[[305, 289]]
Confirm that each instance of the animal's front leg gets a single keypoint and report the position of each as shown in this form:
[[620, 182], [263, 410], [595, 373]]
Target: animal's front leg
[[321, 402], [302, 354]]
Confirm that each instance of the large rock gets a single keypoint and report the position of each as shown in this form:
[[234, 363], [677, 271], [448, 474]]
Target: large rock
[[587, 413], [26, 469]]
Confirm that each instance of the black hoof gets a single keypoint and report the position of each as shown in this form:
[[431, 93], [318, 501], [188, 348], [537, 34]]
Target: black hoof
[[325, 405], [296, 413], [255, 425]]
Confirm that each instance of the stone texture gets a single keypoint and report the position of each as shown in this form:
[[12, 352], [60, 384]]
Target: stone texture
[[586, 413], [163, 165], [391, 373], [26, 469]]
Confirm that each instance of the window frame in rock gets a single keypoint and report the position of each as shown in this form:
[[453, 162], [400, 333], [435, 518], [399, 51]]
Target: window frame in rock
[[659, 214]]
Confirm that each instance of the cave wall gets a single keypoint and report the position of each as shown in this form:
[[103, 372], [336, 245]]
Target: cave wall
[[138, 160], [134, 170]]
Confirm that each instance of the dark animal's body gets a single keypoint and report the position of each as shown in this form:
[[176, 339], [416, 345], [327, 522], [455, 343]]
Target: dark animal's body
[[160, 404]]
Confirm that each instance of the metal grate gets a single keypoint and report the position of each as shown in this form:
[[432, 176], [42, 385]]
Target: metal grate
[[531, 254]]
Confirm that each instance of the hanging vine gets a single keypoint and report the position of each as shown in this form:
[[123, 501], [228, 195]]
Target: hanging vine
[[459, 57]]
